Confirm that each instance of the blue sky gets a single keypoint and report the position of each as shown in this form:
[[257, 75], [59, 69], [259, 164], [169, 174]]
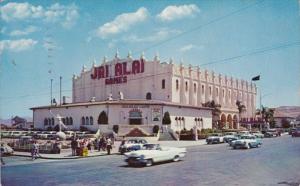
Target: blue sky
[[244, 38]]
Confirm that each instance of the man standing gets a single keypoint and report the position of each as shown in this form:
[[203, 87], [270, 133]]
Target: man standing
[[108, 145], [34, 150], [74, 146], [2, 153]]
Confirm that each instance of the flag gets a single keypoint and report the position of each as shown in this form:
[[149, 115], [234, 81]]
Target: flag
[[256, 78]]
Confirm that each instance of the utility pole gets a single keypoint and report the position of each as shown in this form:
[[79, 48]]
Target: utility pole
[[51, 102], [60, 90]]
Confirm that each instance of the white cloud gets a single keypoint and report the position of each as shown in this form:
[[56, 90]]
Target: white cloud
[[26, 31], [122, 23], [17, 45], [171, 13], [66, 15], [190, 47], [158, 35]]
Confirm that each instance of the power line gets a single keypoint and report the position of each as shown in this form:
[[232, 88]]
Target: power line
[[200, 26]]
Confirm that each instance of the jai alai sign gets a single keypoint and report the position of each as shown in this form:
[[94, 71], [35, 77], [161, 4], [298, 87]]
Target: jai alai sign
[[121, 72]]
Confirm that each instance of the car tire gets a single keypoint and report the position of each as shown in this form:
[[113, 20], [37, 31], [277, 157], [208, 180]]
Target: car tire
[[149, 163], [176, 158]]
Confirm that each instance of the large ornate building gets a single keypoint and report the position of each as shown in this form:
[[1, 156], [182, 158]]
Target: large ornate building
[[136, 93]]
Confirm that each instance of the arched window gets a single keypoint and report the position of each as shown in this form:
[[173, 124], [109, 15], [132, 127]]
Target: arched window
[[195, 88], [87, 121], [82, 121], [49, 121], [186, 86], [148, 96], [163, 84], [71, 121], [52, 121], [67, 121], [177, 84], [202, 89], [45, 121], [217, 91], [210, 91], [91, 120]]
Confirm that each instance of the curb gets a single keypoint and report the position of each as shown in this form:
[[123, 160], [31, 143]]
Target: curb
[[66, 158]]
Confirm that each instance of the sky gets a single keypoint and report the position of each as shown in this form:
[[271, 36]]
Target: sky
[[43, 40]]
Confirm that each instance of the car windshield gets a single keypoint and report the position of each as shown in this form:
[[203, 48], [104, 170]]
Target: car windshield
[[151, 147]]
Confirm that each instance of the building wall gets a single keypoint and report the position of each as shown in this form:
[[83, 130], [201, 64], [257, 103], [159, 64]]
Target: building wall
[[118, 114]]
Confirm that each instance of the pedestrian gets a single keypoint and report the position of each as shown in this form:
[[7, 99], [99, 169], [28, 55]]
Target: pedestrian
[[2, 153], [89, 145], [74, 146], [34, 150], [109, 145]]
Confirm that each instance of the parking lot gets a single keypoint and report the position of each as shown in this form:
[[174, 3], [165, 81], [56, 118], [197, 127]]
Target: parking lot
[[275, 163]]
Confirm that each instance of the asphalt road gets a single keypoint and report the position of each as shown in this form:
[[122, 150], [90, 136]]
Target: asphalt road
[[277, 162]]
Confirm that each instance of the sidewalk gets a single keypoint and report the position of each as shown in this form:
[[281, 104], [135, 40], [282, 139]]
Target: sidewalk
[[67, 153]]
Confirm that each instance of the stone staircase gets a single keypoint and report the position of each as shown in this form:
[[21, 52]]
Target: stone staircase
[[165, 136]]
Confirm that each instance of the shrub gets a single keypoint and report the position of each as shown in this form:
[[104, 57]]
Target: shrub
[[155, 129], [166, 119], [116, 128]]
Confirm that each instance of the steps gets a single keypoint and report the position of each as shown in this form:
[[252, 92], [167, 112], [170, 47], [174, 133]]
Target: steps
[[165, 136]]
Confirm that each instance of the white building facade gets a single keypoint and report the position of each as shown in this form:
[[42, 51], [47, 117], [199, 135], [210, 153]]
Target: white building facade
[[144, 89]]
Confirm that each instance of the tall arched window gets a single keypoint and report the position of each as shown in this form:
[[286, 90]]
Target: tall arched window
[[195, 88], [186, 86], [82, 121], [202, 89], [63, 120], [49, 121], [148, 96], [210, 91], [45, 121], [163, 84], [52, 121], [177, 84], [67, 121], [71, 121], [91, 120], [87, 121]]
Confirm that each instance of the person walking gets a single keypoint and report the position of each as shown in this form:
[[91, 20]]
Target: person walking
[[108, 145], [2, 153], [74, 146], [34, 150]]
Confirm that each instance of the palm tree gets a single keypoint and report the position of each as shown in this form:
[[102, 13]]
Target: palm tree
[[268, 115], [216, 111], [241, 108]]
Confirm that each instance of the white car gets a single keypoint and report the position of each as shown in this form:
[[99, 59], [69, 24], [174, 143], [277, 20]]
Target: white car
[[247, 141], [258, 134], [154, 153], [6, 149], [215, 138]]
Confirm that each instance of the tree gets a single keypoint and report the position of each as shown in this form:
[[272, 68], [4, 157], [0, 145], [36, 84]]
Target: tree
[[103, 119], [166, 119], [216, 111], [285, 123], [268, 116], [241, 108]]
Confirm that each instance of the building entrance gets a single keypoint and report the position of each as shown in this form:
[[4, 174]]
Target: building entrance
[[135, 117]]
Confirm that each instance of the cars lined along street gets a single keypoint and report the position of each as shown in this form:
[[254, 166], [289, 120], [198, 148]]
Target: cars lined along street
[[154, 153]]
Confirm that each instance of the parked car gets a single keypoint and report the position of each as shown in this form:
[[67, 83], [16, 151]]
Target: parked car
[[229, 136], [271, 133], [154, 153], [245, 132], [5, 134], [6, 149], [247, 142], [132, 145], [215, 138], [292, 130], [296, 133], [258, 134]]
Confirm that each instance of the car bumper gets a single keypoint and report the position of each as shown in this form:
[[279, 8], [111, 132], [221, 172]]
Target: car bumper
[[135, 161]]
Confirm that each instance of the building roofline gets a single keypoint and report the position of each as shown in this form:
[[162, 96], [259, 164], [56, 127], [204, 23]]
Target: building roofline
[[121, 102]]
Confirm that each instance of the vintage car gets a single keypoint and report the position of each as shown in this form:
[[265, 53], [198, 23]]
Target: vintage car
[[271, 133], [132, 145], [247, 142], [154, 153], [229, 136], [6, 149], [215, 138], [258, 134], [296, 133]]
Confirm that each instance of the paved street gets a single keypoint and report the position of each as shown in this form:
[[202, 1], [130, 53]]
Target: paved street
[[277, 162]]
